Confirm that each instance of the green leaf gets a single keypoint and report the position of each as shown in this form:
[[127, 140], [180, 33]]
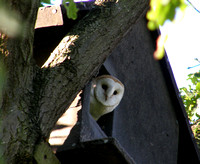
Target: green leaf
[[71, 9], [162, 10], [198, 86]]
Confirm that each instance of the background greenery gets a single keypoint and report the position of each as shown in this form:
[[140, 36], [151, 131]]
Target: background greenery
[[191, 99]]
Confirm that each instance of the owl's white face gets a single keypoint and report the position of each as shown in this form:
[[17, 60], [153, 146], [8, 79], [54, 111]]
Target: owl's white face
[[106, 94], [108, 91]]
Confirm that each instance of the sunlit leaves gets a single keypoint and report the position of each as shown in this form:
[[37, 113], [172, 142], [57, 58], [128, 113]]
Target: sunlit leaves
[[196, 131], [198, 87], [71, 9], [162, 10], [191, 96]]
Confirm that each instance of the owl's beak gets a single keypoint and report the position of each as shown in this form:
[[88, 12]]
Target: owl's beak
[[106, 97]]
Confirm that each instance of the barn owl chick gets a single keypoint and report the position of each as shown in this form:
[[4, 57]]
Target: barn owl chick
[[106, 93]]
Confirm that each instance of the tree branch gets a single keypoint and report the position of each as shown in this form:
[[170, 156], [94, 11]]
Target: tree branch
[[16, 114], [98, 34]]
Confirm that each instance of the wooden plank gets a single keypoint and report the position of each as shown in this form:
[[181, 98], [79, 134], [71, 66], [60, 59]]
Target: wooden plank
[[101, 151], [49, 16]]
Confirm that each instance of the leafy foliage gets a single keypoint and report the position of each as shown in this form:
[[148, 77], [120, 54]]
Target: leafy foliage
[[191, 96], [162, 10], [71, 9], [196, 131], [191, 100]]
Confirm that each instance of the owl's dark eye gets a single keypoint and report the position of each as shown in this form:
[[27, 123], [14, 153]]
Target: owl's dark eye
[[105, 87], [115, 92]]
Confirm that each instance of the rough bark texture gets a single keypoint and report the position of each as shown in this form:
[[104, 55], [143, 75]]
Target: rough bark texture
[[18, 129], [34, 98]]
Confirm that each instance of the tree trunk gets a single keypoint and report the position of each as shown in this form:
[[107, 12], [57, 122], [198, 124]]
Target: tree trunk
[[34, 98]]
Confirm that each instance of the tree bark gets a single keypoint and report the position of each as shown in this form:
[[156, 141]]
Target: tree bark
[[34, 98]]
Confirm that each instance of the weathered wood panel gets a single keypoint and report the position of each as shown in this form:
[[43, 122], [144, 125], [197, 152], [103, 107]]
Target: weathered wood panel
[[145, 122]]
